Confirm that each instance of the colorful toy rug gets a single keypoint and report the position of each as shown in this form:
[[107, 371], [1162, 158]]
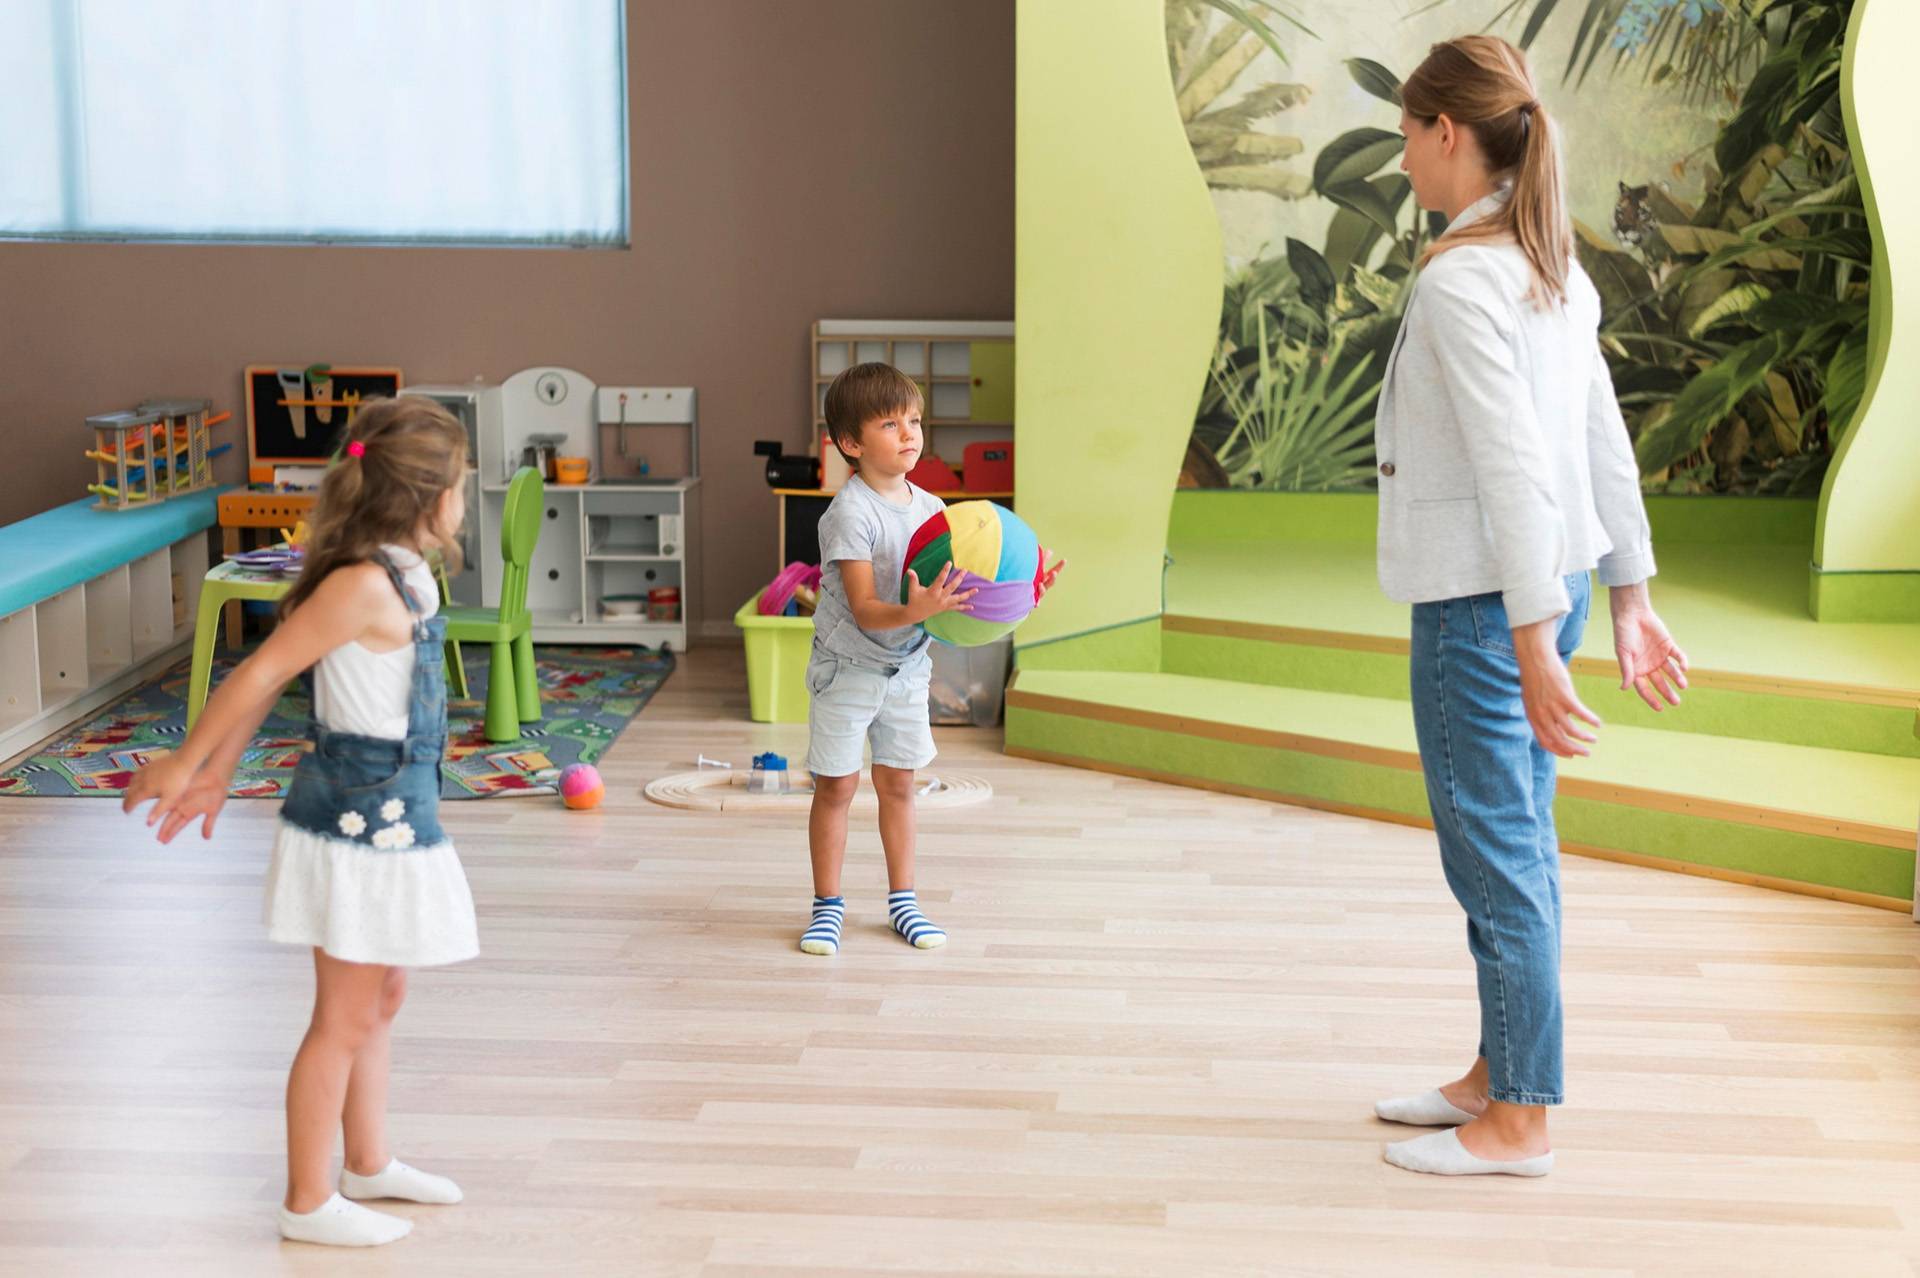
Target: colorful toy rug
[[588, 695]]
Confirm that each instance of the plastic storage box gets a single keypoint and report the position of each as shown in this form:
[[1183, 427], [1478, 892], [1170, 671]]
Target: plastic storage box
[[969, 685], [778, 649]]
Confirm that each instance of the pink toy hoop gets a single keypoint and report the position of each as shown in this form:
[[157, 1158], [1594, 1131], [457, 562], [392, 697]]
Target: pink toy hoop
[[775, 598]]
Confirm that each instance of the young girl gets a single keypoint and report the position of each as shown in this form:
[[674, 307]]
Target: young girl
[[362, 872]]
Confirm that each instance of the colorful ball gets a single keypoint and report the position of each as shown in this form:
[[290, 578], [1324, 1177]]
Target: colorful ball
[[580, 786], [997, 555]]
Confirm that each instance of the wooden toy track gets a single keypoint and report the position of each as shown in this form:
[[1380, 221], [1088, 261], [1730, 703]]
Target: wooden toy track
[[718, 790]]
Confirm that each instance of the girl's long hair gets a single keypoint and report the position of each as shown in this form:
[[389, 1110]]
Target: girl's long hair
[[385, 491], [1484, 84]]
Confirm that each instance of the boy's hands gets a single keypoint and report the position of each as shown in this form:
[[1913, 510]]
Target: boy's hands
[[1047, 578], [179, 792], [944, 595]]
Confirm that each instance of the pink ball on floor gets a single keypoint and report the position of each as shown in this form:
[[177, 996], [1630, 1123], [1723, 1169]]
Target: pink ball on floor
[[580, 786]]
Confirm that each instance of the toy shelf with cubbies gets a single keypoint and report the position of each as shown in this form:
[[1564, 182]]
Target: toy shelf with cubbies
[[964, 369], [90, 602]]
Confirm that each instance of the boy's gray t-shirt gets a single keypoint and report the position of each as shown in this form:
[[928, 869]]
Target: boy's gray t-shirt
[[861, 524]]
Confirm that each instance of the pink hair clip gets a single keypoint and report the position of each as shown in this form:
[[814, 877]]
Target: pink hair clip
[[357, 448]]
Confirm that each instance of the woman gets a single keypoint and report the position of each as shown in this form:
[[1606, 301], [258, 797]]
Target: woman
[[1505, 476]]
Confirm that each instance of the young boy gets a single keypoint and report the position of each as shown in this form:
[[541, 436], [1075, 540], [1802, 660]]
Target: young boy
[[869, 671]]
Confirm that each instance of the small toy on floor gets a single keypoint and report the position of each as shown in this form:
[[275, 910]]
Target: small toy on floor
[[581, 787], [769, 774]]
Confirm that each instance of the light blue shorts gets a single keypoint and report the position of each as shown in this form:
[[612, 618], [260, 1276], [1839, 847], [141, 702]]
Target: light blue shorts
[[852, 705]]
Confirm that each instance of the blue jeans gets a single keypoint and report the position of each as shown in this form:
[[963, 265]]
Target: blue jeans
[[1490, 786]]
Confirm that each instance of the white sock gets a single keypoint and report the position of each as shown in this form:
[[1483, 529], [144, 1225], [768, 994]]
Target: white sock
[[339, 1223], [1442, 1154], [1429, 1110], [397, 1180]]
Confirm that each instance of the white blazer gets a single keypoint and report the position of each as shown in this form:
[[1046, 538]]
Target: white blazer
[[1504, 463]]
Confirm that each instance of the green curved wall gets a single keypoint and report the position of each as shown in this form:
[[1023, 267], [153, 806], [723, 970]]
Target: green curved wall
[[1867, 547], [1118, 275]]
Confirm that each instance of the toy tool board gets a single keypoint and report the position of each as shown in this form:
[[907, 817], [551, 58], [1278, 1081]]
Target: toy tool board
[[296, 412]]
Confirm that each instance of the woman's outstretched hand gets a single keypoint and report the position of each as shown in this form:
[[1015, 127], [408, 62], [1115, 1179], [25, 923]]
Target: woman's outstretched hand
[[1650, 661]]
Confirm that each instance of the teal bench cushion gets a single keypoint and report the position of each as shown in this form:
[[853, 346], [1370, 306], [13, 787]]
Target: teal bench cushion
[[47, 553]]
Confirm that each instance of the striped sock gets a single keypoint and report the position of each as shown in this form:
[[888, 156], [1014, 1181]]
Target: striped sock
[[904, 913], [823, 934]]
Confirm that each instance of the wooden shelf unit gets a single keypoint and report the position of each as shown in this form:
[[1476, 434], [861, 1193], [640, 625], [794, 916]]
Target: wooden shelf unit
[[964, 368]]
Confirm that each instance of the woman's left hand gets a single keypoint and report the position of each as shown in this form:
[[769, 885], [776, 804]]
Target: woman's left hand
[[1650, 661]]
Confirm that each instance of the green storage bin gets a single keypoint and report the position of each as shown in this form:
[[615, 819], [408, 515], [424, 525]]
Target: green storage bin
[[778, 649]]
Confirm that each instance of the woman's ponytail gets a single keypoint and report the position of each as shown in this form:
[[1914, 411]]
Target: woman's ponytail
[[1483, 83], [1539, 203]]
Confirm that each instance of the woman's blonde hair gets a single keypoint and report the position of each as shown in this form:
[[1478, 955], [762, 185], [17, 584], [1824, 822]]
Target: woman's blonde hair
[[1483, 83], [398, 458]]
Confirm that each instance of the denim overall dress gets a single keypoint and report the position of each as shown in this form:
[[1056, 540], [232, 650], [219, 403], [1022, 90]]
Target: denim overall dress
[[361, 867]]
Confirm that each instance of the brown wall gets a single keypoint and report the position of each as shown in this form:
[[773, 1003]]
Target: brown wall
[[791, 159]]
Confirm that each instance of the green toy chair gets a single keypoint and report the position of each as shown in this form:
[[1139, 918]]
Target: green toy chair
[[513, 689]]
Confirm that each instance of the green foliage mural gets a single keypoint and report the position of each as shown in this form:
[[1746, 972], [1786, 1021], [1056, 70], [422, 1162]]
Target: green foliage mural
[[1718, 214]]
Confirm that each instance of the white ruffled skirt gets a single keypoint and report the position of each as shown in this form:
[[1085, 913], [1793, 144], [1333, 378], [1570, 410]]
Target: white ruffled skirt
[[402, 908]]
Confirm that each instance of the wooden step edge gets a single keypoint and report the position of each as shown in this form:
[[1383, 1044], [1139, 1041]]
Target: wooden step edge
[[1409, 761], [1871, 900], [1722, 680]]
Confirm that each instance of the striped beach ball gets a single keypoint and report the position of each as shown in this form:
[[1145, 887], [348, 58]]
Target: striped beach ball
[[997, 555]]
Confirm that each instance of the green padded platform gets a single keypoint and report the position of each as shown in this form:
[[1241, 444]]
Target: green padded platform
[[1733, 608]]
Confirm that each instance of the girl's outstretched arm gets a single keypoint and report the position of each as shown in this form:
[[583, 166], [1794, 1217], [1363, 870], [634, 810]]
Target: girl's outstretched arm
[[192, 781]]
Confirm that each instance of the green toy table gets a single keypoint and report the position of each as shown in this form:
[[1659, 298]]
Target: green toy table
[[230, 582]]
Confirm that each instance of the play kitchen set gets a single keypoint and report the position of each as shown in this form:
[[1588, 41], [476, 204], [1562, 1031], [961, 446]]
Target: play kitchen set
[[161, 449], [611, 564]]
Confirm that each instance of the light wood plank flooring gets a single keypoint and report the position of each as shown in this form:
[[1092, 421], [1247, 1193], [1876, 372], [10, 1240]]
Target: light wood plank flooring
[[1149, 1050]]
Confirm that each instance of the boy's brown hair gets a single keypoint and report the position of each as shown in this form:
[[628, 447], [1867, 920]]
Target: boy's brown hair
[[862, 393]]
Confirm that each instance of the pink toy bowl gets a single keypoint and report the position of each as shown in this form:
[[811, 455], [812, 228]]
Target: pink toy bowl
[[580, 786]]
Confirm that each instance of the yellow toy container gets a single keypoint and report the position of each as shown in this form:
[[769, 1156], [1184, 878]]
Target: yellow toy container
[[778, 649]]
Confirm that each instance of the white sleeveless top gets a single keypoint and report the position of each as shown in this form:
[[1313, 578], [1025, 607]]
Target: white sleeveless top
[[367, 693]]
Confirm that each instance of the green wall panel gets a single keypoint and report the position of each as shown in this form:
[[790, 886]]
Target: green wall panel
[[1117, 288]]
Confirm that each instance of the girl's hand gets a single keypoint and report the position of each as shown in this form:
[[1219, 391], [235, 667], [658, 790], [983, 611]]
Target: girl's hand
[[1650, 660], [1047, 578], [944, 595], [164, 781], [204, 796]]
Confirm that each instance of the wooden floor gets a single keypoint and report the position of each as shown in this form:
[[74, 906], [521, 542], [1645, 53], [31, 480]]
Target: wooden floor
[[1150, 1048]]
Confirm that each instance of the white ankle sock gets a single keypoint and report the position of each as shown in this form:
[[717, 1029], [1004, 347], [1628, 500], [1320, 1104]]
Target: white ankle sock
[[339, 1223], [1429, 1110], [397, 1180], [1442, 1154]]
